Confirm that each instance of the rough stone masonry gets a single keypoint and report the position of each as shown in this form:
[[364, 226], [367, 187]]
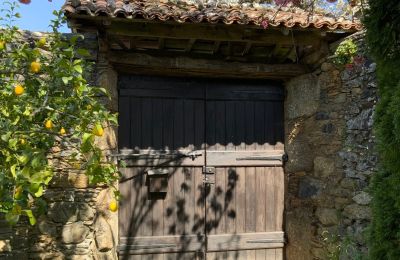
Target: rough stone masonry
[[330, 144]]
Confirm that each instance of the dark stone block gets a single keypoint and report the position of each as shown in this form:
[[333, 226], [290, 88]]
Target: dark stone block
[[328, 128], [308, 188], [322, 116]]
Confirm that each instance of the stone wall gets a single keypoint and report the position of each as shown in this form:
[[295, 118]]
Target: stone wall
[[331, 158]]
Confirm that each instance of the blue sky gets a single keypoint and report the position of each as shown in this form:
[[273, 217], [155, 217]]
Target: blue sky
[[36, 16]]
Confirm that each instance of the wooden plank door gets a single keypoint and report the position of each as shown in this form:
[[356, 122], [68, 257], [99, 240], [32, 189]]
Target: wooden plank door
[[176, 129], [244, 208], [161, 131]]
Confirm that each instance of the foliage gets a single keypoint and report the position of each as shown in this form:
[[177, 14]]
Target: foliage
[[45, 102], [345, 52], [383, 37], [337, 247]]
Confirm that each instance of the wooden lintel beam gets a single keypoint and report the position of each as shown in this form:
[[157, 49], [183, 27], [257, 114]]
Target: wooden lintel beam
[[213, 33], [206, 67], [190, 45]]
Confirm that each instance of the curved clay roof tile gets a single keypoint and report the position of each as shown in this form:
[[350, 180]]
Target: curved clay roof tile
[[183, 12]]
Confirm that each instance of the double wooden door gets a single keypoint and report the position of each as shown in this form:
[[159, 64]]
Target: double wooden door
[[203, 176]]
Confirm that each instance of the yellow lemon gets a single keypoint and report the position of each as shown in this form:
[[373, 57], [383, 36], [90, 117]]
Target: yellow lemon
[[98, 130], [113, 206], [19, 90], [62, 131], [2, 45], [42, 42], [22, 141], [35, 67], [48, 124]]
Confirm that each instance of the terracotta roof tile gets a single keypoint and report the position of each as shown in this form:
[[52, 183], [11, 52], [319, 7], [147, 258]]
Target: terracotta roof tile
[[184, 12]]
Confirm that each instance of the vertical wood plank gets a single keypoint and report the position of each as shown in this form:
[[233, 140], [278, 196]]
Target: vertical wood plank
[[188, 111], [146, 123], [279, 126], [259, 124], [261, 254], [261, 194], [178, 124], [230, 125], [279, 254], [269, 127], [279, 197], [241, 200], [211, 125], [179, 203], [270, 200], [250, 120], [157, 219], [270, 254], [168, 124], [251, 200], [157, 124], [251, 254], [199, 124], [220, 193], [241, 254], [124, 212], [169, 208], [240, 125], [190, 198], [220, 134], [231, 182], [135, 123], [124, 129], [198, 219]]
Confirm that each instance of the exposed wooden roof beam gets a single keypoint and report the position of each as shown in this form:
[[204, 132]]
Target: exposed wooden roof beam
[[171, 65]]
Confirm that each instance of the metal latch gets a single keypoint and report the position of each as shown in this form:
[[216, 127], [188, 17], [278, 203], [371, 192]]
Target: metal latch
[[194, 154], [208, 175]]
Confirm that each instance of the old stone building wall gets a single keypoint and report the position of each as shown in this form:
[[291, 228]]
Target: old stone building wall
[[330, 144]]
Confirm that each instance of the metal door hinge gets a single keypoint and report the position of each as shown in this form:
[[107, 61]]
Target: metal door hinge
[[208, 170]]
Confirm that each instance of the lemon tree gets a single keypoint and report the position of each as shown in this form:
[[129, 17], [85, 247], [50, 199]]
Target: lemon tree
[[46, 102]]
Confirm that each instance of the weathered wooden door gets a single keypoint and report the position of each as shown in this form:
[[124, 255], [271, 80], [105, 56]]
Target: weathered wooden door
[[203, 176]]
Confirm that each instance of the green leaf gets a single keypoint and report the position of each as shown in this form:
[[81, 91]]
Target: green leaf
[[12, 169], [66, 80], [78, 68], [83, 52], [39, 192], [31, 217]]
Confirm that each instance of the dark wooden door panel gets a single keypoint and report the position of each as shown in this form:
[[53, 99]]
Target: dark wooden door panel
[[177, 126]]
